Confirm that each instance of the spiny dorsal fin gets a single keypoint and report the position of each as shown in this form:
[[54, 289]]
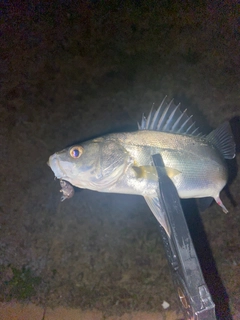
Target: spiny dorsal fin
[[222, 139], [169, 118]]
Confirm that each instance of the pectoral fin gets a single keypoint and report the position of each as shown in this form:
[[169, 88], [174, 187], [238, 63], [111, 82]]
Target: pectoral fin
[[172, 172], [158, 211], [149, 172], [145, 172]]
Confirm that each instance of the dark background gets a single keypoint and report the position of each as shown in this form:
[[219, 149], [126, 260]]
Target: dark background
[[72, 70]]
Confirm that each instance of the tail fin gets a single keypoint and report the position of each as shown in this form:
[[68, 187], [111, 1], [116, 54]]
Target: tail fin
[[222, 139]]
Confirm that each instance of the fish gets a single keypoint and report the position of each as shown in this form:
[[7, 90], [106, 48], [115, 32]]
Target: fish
[[122, 162]]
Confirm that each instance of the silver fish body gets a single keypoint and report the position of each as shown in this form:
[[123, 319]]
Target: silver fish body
[[122, 162]]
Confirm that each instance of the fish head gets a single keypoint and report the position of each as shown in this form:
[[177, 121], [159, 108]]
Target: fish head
[[96, 164]]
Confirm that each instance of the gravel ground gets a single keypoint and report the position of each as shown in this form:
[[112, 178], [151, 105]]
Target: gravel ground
[[70, 72]]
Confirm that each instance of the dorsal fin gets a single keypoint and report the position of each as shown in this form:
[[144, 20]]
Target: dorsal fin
[[169, 118], [222, 139]]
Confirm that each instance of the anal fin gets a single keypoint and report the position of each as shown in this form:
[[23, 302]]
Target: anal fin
[[204, 203], [219, 202]]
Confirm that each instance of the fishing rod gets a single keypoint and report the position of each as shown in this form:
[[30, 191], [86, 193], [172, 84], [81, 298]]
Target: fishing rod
[[195, 299]]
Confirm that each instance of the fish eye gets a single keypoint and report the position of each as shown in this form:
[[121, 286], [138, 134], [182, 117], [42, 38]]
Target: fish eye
[[76, 152]]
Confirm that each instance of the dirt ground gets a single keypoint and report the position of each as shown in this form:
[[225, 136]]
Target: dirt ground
[[71, 72]]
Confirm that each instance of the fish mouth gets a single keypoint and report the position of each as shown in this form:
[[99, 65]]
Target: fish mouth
[[56, 167]]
